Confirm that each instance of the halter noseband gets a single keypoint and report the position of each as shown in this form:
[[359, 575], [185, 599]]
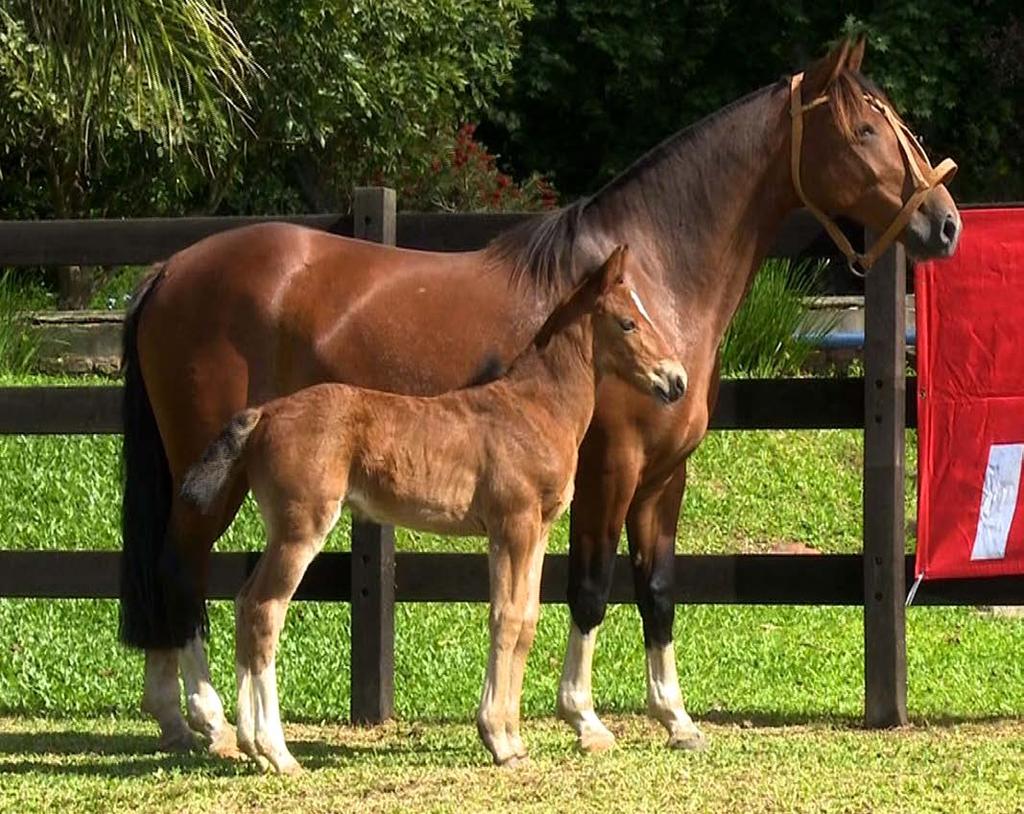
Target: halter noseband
[[913, 155]]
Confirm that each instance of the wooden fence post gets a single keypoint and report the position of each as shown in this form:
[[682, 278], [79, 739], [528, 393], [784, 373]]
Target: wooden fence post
[[885, 648], [373, 547]]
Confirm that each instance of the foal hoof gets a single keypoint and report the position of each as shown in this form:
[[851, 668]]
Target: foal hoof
[[688, 741], [225, 746], [515, 762], [288, 768], [595, 741]]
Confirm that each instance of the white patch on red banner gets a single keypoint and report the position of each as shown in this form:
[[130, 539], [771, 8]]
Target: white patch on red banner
[[998, 501]]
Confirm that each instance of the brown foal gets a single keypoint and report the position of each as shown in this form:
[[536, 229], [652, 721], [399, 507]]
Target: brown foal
[[496, 460]]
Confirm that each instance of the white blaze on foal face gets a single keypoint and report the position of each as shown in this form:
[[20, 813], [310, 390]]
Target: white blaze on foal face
[[640, 307]]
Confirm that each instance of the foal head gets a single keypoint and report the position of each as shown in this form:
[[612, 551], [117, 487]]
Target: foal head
[[854, 157], [626, 342]]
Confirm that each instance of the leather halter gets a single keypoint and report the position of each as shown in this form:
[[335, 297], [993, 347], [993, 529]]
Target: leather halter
[[913, 155]]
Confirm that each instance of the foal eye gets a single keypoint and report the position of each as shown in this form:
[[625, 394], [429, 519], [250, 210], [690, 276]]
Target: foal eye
[[627, 325]]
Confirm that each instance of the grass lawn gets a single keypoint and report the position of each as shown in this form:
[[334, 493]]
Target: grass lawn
[[107, 766], [778, 689]]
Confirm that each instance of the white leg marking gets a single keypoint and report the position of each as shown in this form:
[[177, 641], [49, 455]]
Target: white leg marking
[[665, 701], [205, 711], [161, 698], [269, 732], [575, 698]]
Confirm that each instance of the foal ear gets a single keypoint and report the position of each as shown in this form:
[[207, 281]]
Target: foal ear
[[613, 271], [856, 57], [819, 77]]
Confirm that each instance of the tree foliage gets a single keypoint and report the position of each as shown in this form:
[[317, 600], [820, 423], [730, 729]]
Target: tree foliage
[[360, 89], [600, 81], [87, 86], [135, 107]]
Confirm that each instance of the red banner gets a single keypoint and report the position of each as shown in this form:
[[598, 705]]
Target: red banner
[[970, 402]]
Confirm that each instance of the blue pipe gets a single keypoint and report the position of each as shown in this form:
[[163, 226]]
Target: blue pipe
[[850, 340]]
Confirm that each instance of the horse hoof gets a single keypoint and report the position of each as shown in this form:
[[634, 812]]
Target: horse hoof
[[593, 742], [690, 741], [177, 742]]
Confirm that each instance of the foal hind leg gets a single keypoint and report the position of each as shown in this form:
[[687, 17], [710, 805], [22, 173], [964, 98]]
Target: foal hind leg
[[651, 530], [297, 533], [595, 525]]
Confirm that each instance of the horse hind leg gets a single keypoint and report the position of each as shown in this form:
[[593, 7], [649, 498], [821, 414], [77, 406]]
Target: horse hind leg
[[651, 529], [161, 699], [191, 539]]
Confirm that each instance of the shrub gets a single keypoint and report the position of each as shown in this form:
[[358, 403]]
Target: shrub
[[464, 177], [769, 335], [18, 346]]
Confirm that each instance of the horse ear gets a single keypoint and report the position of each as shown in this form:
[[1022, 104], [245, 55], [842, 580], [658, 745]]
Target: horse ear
[[856, 57], [613, 270], [820, 76]]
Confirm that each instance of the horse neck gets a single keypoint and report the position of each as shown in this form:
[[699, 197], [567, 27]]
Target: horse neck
[[702, 210], [560, 376]]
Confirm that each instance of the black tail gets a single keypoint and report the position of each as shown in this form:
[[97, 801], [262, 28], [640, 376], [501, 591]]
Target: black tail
[[148, 619], [205, 481]]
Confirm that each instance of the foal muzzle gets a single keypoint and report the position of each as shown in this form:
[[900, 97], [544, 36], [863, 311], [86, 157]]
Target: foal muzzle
[[668, 381]]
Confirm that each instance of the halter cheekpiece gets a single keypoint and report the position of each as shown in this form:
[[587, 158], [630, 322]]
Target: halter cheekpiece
[[913, 155]]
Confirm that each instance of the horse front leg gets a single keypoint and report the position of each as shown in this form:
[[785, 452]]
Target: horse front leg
[[604, 487], [651, 530]]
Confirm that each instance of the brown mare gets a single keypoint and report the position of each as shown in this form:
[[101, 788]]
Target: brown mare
[[253, 314], [496, 460]]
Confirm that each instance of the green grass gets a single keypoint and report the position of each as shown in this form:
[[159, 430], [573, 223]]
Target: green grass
[[107, 766], [780, 689]]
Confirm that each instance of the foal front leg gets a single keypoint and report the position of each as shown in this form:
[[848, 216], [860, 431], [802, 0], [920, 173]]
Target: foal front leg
[[510, 561], [527, 633]]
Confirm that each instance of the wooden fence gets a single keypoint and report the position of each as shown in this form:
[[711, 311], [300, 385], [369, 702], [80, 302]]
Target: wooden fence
[[373, 577]]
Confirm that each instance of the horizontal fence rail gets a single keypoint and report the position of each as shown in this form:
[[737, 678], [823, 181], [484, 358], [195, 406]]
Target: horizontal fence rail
[[742, 579], [147, 240], [743, 404]]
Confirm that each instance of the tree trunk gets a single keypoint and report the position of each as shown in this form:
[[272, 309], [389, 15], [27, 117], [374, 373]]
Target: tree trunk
[[74, 287]]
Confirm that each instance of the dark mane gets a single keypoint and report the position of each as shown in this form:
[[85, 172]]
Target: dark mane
[[539, 251], [671, 145]]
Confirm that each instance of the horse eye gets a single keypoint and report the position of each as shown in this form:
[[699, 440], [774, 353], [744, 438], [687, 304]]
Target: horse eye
[[627, 325], [865, 131]]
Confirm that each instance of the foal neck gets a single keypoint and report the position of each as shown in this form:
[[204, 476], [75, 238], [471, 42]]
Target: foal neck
[[557, 373]]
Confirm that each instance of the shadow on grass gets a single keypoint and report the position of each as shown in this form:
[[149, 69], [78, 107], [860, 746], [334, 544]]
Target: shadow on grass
[[125, 756], [763, 719]]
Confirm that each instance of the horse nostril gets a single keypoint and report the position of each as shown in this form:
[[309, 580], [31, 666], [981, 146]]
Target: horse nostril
[[949, 229]]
